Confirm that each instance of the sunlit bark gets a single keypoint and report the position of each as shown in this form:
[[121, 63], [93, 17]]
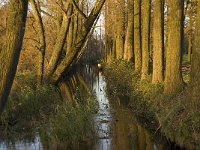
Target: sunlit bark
[[41, 34], [173, 77], [195, 69], [120, 27], [128, 46], [146, 15], [9, 55], [60, 41], [157, 76], [137, 36], [79, 42]]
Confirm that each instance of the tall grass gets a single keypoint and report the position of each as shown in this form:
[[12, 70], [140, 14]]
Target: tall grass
[[174, 116], [31, 106]]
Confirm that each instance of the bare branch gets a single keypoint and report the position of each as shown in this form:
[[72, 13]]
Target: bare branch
[[63, 8], [46, 13], [35, 40], [78, 9]]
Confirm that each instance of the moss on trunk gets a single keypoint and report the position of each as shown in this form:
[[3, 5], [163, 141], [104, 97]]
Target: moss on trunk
[[157, 43], [9, 55], [146, 15], [128, 46], [137, 36], [173, 76]]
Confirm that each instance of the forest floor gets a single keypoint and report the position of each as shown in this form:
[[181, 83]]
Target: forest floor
[[174, 116]]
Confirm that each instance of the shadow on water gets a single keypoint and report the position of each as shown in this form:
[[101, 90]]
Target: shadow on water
[[116, 127]]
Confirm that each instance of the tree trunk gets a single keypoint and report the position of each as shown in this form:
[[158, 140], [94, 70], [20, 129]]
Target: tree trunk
[[41, 34], [189, 48], [173, 76], [157, 43], [137, 36], [9, 55], [79, 42], [109, 24], [60, 41], [195, 68], [146, 15], [128, 46], [190, 37], [70, 35], [120, 25]]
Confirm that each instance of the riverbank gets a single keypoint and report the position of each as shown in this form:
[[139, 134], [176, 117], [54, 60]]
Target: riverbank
[[173, 116], [41, 110]]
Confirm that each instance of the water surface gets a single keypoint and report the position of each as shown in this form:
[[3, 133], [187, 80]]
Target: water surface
[[116, 126]]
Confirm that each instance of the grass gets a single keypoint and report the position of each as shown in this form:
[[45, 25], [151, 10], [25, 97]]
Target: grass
[[28, 105], [31, 106], [174, 116], [74, 124]]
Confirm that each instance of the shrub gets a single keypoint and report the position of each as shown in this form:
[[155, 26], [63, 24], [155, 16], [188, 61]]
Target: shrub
[[74, 124]]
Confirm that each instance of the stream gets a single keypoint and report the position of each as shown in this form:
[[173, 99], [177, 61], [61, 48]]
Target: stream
[[116, 126]]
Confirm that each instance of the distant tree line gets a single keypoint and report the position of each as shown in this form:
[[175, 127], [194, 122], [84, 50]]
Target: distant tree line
[[153, 35]]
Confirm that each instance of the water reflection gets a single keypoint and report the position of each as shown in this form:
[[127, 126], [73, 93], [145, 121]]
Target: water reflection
[[103, 118], [115, 125], [25, 144]]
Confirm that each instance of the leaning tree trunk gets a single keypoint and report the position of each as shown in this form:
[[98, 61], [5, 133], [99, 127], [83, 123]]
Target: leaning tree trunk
[[157, 76], [128, 46], [137, 36], [70, 35], [60, 41], [79, 42], [173, 76], [146, 15], [42, 46], [9, 55]]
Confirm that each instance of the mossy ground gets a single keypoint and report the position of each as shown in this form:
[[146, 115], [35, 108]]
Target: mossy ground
[[174, 116]]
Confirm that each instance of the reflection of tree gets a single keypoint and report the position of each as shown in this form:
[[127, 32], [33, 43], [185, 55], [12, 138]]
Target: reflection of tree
[[134, 136], [65, 92], [149, 141], [141, 138], [77, 80]]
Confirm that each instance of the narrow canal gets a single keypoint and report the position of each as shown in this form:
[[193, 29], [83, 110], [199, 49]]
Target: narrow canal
[[115, 125]]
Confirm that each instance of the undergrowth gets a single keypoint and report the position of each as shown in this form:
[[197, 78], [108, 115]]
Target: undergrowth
[[31, 106], [74, 123], [173, 116], [28, 104]]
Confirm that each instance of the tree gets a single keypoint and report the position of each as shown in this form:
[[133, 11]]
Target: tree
[[195, 68], [173, 76], [158, 42], [110, 29], [83, 34], [120, 25], [60, 41], [137, 36], [191, 7], [146, 15], [42, 42], [128, 46], [9, 55]]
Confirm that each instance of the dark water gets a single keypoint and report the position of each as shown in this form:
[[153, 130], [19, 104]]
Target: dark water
[[116, 126]]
